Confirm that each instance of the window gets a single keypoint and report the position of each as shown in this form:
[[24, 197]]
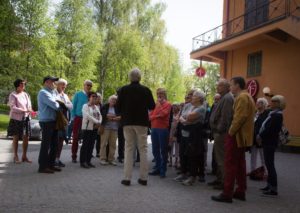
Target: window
[[254, 64], [256, 13]]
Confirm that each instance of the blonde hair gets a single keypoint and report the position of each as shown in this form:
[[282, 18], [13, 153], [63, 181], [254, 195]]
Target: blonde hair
[[281, 100]]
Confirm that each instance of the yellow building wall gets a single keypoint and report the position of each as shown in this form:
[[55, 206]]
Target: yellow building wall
[[280, 72]]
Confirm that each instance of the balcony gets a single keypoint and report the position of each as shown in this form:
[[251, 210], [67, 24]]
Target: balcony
[[254, 18]]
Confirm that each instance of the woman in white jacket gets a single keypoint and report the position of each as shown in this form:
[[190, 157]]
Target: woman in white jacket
[[91, 121]]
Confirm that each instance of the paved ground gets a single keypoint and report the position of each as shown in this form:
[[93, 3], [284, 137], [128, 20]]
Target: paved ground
[[22, 189]]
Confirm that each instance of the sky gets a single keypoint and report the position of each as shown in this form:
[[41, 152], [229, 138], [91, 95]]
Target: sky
[[186, 19]]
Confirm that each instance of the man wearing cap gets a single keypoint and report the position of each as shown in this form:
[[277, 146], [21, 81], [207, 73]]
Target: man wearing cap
[[48, 107], [80, 98]]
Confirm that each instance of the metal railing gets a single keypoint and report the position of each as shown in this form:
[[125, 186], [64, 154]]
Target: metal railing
[[262, 15]]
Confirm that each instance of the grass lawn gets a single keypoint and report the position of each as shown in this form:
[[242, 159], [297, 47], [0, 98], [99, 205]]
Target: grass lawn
[[4, 119]]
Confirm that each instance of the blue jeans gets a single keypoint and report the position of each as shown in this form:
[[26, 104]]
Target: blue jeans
[[160, 140]]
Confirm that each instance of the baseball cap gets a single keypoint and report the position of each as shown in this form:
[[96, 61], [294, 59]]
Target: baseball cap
[[52, 78]]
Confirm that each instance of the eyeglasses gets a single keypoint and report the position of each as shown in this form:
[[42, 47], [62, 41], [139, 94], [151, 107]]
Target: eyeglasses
[[89, 85]]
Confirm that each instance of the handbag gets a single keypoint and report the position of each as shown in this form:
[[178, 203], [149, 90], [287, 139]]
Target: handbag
[[61, 121], [284, 135]]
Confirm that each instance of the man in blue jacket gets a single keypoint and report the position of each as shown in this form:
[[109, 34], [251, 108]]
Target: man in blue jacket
[[48, 107]]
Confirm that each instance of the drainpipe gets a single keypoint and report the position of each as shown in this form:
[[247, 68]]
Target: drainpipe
[[225, 53]]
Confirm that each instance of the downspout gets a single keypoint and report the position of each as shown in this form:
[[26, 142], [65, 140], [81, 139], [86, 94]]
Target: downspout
[[226, 53]]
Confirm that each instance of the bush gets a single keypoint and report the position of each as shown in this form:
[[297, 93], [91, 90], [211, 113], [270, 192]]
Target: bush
[[4, 108]]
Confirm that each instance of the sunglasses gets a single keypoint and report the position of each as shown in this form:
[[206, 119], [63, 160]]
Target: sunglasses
[[89, 85]]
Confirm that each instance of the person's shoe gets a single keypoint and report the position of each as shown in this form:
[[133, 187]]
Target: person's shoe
[[46, 171], [239, 196], [270, 193], [265, 189], [221, 198], [189, 182], [74, 161], [180, 178], [84, 165], [163, 176], [91, 165], [55, 169], [154, 173], [113, 163], [214, 183], [142, 182], [218, 187], [201, 179], [61, 164], [125, 182], [103, 163]]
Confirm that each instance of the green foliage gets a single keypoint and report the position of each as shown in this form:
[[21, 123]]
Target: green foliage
[[4, 119], [101, 40]]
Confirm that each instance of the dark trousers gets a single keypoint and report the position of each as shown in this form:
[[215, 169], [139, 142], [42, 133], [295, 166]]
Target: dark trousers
[[214, 165], [121, 143], [48, 145], [196, 164], [88, 142], [183, 145], [234, 168], [269, 154], [76, 130], [98, 142]]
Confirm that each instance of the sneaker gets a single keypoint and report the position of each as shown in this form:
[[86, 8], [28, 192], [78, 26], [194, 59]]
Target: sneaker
[[189, 182], [103, 163], [61, 164], [180, 178], [113, 163]]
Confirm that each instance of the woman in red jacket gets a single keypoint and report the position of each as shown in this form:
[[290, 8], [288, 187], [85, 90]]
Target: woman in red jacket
[[160, 122]]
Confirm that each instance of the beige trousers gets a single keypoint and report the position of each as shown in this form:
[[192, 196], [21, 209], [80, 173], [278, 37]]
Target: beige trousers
[[219, 155], [135, 135], [109, 137]]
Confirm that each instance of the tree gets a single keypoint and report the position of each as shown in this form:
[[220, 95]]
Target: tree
[[78, 40]]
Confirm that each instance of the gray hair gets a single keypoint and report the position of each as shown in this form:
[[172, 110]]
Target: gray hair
[[264, 101], [281, 100], [87, 82], [224, 82], [112, 97], [199, 94], [61, 80], [135, 75]]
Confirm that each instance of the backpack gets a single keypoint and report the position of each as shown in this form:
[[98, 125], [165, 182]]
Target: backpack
[[284, 136]]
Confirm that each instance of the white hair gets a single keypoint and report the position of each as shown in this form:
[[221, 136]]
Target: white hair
[[199, 94], [112, 97], [135, 75], [264, 101], [61, 80], [87, 82]]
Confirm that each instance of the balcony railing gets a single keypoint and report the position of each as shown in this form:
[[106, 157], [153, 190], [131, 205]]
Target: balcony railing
[[253, 18]]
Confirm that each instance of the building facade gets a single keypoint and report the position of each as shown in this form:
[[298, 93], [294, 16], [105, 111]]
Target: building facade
[[259, 40]]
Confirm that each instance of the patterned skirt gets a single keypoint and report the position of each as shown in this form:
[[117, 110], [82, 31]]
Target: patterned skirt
[[19, 128]]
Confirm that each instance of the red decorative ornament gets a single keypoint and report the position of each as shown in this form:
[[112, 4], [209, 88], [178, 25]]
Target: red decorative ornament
[[252, 87], [200, 72]]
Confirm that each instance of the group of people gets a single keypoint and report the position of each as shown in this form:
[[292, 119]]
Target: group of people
[[179, 130]]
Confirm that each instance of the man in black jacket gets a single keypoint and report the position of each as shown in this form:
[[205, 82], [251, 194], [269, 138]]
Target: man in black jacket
[[134, 103]]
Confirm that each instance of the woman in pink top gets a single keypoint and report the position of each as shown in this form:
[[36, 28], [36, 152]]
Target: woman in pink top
[[19, 125]]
